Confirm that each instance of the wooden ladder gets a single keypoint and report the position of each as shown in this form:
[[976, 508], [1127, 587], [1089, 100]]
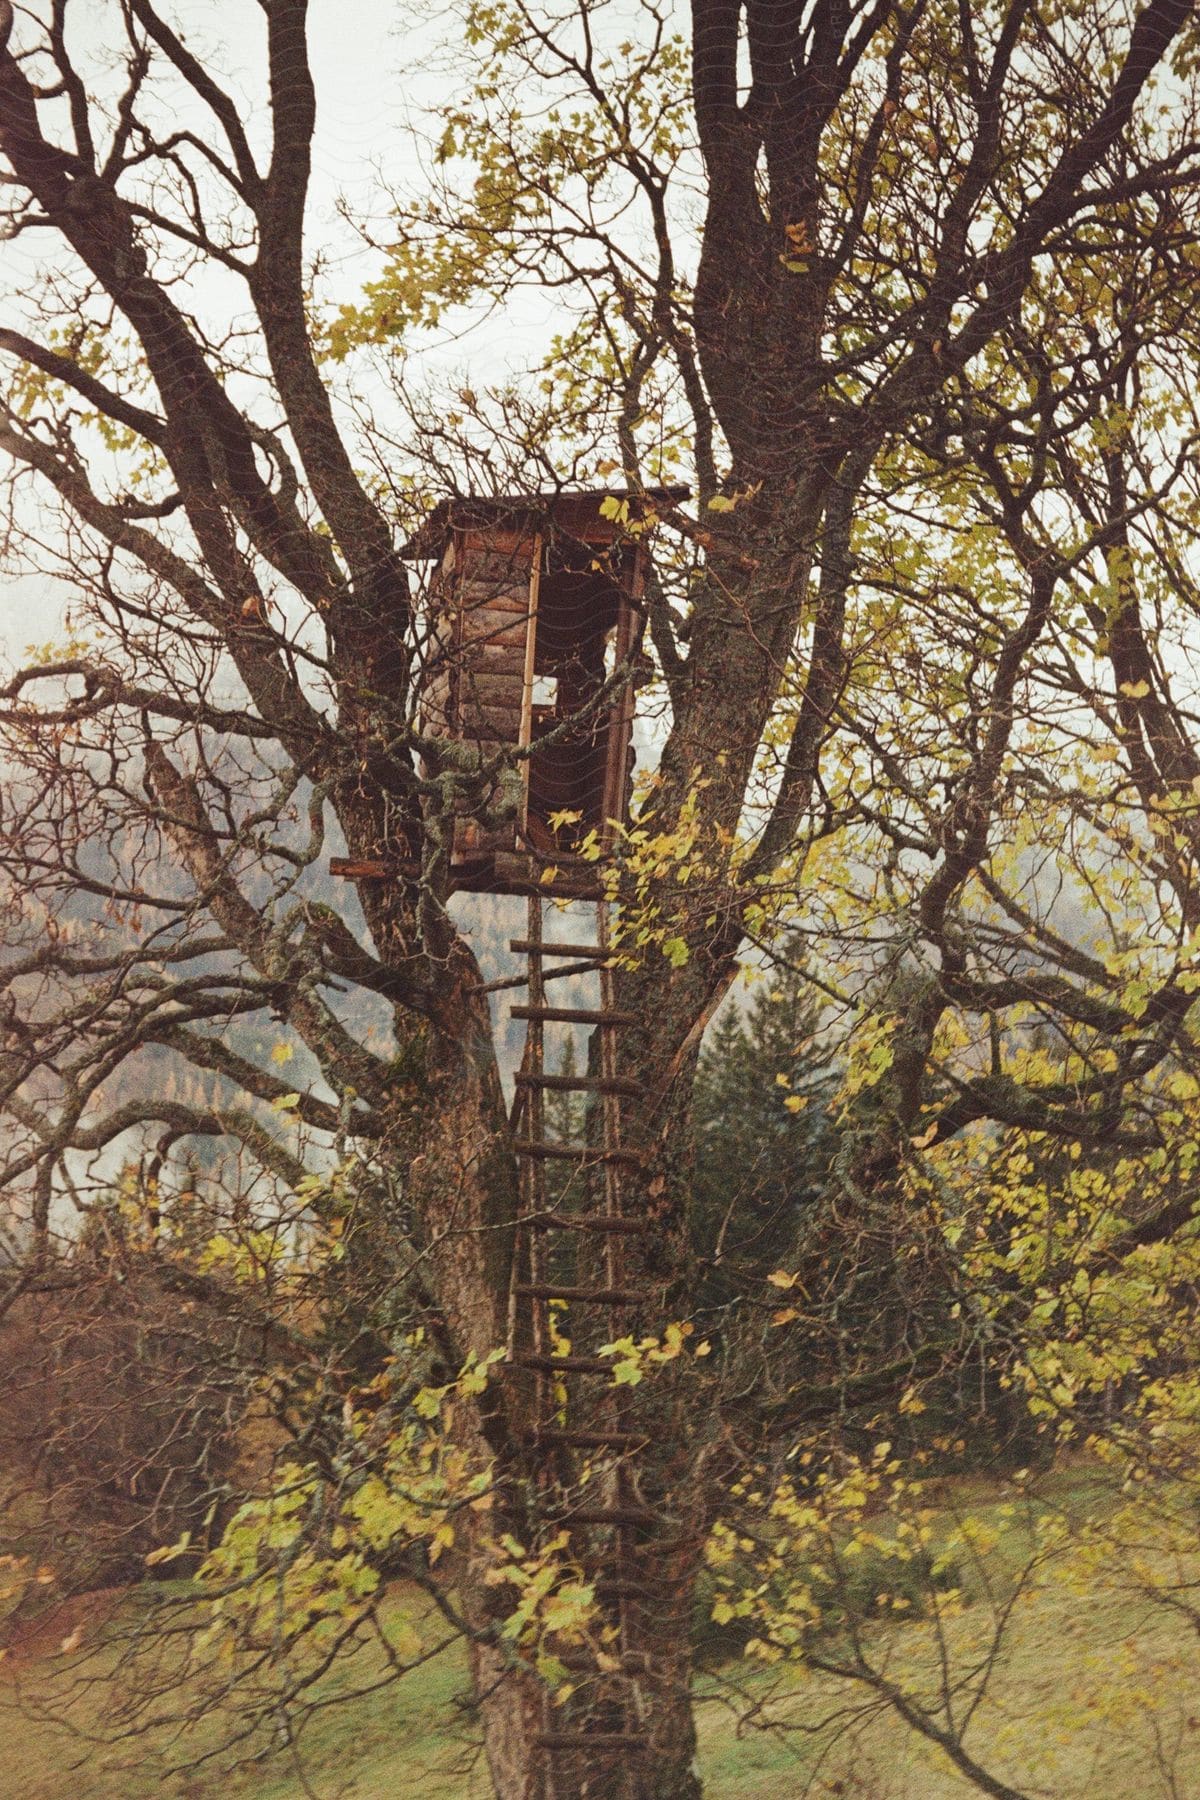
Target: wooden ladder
[[588, 1749]]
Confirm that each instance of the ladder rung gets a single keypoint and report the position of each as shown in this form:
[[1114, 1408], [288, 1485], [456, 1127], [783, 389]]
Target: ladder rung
[[593, 1740], [589, 1440], [573, 1015], [632, 1662], [525, 947], [578, 1084], [589, 1296], [584, 1153], [609, 1515], [520, 981], [566, 1365], [585, 1222]]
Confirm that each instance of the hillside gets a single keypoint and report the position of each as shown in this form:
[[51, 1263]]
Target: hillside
[[1092, 1695]]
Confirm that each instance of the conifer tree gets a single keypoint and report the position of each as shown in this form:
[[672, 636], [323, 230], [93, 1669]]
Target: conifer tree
[[764, 1136]]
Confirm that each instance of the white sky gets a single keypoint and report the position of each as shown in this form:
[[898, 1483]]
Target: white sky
[[374, 62]]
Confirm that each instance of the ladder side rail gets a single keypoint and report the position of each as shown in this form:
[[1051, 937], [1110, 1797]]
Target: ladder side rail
[[535, 1114], [623, 1494], [530, 1104]]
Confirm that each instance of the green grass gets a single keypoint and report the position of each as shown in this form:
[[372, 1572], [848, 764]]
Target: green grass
[[410, 1737], [1092, 1698]]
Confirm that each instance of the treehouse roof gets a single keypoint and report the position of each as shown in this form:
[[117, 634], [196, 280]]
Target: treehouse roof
[[577, 515]]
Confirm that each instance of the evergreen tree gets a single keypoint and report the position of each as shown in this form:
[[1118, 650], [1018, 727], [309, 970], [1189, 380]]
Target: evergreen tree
[[564, 1112], [764, 1138]]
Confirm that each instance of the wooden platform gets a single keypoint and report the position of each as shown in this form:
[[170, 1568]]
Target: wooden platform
[[505, 872]]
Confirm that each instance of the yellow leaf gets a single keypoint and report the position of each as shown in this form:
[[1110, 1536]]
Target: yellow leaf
[[1135, 690], [443, 1538], [167, 1552], [781, 1279]]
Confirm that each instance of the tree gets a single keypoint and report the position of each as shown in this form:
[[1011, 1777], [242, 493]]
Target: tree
[[120, 1419], [765, 1141], [909, 300]]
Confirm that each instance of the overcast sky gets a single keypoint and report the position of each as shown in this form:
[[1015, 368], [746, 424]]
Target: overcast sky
[[376, 69]]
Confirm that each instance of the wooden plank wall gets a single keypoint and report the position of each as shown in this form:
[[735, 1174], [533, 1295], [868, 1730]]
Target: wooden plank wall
[[493, 604], [475, 671]]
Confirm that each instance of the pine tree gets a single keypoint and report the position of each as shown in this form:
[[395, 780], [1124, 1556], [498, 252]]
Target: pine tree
[[764, 1139], [564, 1112]]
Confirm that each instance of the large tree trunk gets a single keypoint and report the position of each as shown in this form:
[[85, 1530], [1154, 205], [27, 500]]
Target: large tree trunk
[[658, 1762], [463, 1190]]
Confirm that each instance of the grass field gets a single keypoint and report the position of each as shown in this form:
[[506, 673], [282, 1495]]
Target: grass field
[[1095, 1696]]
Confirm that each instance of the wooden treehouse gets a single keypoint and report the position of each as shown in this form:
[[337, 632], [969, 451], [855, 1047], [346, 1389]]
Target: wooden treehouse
[[531, 639], [531, 642]]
